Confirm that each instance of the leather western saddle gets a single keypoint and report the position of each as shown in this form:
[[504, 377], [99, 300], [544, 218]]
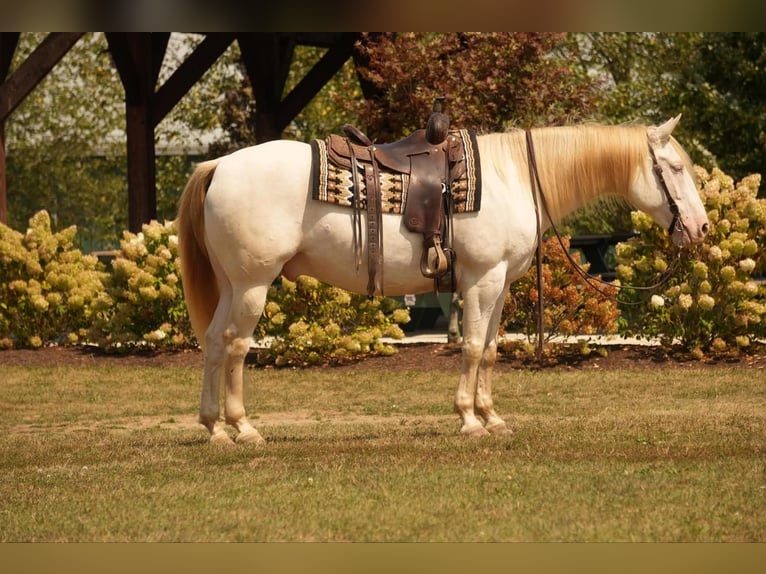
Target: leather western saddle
[[432, 158]]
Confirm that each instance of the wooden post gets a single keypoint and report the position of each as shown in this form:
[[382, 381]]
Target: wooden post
[[138, 56], [142, 194]]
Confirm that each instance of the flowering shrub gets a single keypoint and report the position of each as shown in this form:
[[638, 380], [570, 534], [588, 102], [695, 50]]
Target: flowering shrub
[[570, 307], [307, 322], [143, 305], [711, 303], [311, 322], [48, 289]]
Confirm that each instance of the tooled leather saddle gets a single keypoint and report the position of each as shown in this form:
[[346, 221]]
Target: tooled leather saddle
[[430, 160]]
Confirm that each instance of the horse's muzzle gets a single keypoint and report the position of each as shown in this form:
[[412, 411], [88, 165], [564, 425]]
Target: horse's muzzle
[[690, 233]]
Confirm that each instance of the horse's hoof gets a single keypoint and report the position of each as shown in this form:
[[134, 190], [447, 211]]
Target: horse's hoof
[[474, 431], [221, 439], [499, 429], [250, 436]]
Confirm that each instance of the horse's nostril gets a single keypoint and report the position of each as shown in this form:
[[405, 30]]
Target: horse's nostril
[[705, 228]]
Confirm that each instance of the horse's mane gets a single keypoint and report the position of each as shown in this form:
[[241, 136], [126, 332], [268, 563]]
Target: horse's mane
[[576, 163]]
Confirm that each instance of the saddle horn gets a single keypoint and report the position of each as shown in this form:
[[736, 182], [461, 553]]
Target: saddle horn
[[437, 127]]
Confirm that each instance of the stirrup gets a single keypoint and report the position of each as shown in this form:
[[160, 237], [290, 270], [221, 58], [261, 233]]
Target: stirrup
[[442, 261], [446, 283]]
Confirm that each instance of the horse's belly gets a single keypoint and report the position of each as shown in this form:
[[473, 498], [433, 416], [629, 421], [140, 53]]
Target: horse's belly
[[327, 253]]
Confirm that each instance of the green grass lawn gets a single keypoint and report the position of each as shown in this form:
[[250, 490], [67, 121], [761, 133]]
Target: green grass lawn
[[104, 453]]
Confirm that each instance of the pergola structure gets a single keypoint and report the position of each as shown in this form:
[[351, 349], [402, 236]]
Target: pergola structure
[[138, 57]]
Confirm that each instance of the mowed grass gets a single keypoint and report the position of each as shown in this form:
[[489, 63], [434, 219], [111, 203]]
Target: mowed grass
[[105, 453]]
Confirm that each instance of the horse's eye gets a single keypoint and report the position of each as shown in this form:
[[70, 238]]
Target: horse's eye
[[677, 167]]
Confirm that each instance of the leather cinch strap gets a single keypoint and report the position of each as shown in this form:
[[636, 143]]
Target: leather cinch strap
[[374, 229]]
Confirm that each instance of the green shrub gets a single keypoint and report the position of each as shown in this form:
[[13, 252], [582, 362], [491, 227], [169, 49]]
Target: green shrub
[[48, 289], [310, 322], [570, 307], [711, 304], [144, 307]]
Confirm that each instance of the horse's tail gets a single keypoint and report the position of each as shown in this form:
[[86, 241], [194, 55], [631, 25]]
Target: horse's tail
[[198, 279]]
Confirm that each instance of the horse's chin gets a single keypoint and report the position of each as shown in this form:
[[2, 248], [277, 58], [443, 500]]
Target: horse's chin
[[681, 238]]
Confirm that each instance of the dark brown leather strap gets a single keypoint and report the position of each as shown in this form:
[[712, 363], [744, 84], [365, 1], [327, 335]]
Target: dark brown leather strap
[[356, 218], [534, 184], [374, 229]]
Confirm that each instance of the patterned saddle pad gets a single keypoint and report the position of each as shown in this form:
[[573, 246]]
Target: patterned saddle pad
[[333, 183]]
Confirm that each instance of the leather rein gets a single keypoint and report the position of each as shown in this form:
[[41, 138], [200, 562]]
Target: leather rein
[[593, 281]]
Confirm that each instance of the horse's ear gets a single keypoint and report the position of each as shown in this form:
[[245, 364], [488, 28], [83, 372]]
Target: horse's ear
[[661, 134]]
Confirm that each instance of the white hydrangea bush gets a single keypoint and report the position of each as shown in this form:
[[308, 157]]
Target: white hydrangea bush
[[713, 303], [311, 323], [49, 290], [143, 306]]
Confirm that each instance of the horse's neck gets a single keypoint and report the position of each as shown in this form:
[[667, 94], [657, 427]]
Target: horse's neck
[[578, 165]]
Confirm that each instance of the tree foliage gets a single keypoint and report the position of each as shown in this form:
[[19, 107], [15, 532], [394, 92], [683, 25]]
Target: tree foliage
[[717, 80], [491, 81], [726, 98]]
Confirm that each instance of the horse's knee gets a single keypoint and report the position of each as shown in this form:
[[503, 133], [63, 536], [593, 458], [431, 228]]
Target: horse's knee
[[238, 348], [214, 350], [472, 350], [489, 356]]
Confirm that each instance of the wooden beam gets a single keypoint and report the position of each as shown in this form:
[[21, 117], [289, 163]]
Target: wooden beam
[[8, 43], [142, 185], [189, 73], [315, 79], [133, 50], [123, 60], [34, 69], [159, 42], [267, 61]]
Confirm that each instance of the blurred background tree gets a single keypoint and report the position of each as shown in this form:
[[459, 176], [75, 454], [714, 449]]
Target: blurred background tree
[[717, 80], [62, 154]]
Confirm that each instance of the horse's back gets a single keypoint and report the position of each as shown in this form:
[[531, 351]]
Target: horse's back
[[279, 162]]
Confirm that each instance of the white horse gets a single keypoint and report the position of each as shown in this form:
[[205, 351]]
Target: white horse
[[248, 217]]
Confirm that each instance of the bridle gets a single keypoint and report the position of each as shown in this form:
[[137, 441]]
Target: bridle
[[676, 224], [594, 282]]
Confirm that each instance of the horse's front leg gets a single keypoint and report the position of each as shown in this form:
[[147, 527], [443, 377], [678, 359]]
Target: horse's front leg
[[466, 390], [482, 309], [484, 405]]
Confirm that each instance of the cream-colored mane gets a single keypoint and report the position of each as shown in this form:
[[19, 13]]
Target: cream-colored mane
[[576, 163]]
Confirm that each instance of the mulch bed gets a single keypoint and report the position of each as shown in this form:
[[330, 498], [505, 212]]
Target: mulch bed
[[411, 357]]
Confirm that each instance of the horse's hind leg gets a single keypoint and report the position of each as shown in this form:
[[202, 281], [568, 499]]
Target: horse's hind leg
[[246, 309], [211, 378]]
